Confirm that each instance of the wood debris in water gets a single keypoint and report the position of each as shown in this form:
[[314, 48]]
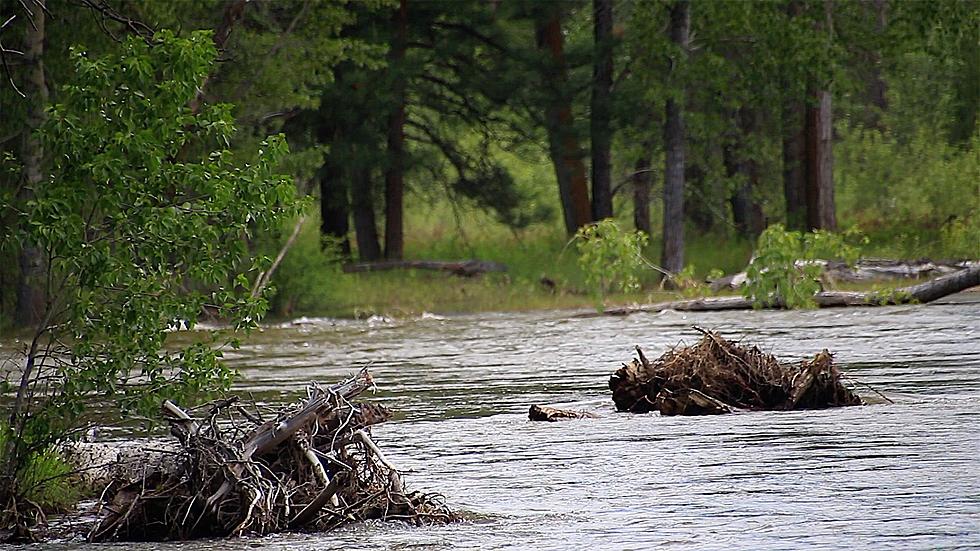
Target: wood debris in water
[[314, 467], [546, 413], [717, 376]]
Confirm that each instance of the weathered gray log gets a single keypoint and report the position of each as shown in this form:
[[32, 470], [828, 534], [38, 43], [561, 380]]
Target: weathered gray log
[[465, 268], [866, 269], [920, 293]]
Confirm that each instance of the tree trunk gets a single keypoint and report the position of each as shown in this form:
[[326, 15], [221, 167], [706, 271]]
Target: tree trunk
[[877, 89], [30, 294], [334, 208], [672, 259], [641, 191], [365, 226], [395, 173], [746, 210], [794, 152], [602, 72], [820, 211], [566, 155]]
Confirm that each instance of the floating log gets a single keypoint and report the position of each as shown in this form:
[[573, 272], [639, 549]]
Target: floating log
[[545, 413], [313, 467], [914, 294], [464, 268], [716, 376]]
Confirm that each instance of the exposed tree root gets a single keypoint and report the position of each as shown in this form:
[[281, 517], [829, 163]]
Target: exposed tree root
[[313, 467], [716, 376]]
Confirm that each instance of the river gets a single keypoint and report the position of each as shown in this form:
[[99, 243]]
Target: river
[[903, 475]]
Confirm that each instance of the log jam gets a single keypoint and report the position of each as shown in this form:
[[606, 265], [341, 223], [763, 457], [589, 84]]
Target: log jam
[[717, 376]]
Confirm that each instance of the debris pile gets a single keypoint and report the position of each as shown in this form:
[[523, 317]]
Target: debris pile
[[717, 376], [313, 467]]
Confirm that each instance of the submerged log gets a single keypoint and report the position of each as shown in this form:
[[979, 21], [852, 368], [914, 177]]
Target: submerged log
[[913, 294], [716, 376], [313, 467], [464, 268], [545, 413]]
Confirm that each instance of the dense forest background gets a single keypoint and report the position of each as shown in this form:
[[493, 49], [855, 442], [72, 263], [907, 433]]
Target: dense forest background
[[494, 129]]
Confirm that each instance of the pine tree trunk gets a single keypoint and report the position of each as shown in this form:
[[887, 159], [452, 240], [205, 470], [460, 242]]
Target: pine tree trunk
[[672, 258], [746, 210], [602, 206], [641, 191], [30, 294], [819, 165], [334, 208], [794, 152], [566, 155], [395, 173], [877, 88], [365, 225]]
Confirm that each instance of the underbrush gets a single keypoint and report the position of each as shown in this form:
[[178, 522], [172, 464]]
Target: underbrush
[[46, 479]]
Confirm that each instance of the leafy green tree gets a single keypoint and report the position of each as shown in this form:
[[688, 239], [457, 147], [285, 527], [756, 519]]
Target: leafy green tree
[[141, 219]]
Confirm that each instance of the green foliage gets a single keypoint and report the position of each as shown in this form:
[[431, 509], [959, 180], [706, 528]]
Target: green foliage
[[917, 191], [142, 225], [610, 257], [46, 478], [784, 270]]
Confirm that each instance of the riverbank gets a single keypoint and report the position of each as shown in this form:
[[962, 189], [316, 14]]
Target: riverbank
[[542, 274]]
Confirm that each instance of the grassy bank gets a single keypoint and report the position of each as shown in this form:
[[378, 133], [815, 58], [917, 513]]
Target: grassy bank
[[542, 271]]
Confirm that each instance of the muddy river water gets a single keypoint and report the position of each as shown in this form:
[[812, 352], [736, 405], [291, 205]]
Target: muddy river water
[[896, 476]]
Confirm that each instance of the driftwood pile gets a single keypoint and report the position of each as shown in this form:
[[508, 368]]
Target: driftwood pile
[[313, 467], [717, 376]]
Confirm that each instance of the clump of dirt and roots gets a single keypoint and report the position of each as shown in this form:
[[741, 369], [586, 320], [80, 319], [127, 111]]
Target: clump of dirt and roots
[[718, 376], [313, 467]]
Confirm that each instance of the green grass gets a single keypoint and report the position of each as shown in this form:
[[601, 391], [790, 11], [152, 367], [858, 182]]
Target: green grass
[[310, 282], [46, 479]]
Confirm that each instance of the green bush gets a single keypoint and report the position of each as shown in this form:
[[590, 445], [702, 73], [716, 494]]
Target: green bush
[[914, 195], [610, 258], [783, 270]]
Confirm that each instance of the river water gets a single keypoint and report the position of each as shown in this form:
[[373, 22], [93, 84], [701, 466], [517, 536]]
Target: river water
[[903, 475]]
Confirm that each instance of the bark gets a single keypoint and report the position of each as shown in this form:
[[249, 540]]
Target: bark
[[30, 294], [334, 207], [566, 155], [395, 172], [641, 191], [877, 88], [819, 167], [794, 152], [921, 293], [362, 206], [673, 239], [602, 73], [746, 210]]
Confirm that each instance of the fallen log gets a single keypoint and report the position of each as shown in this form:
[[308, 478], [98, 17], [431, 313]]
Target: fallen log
[[716, 376], [545, 413], [464, 268], [914, 294], [313, 467], [864, 270]]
